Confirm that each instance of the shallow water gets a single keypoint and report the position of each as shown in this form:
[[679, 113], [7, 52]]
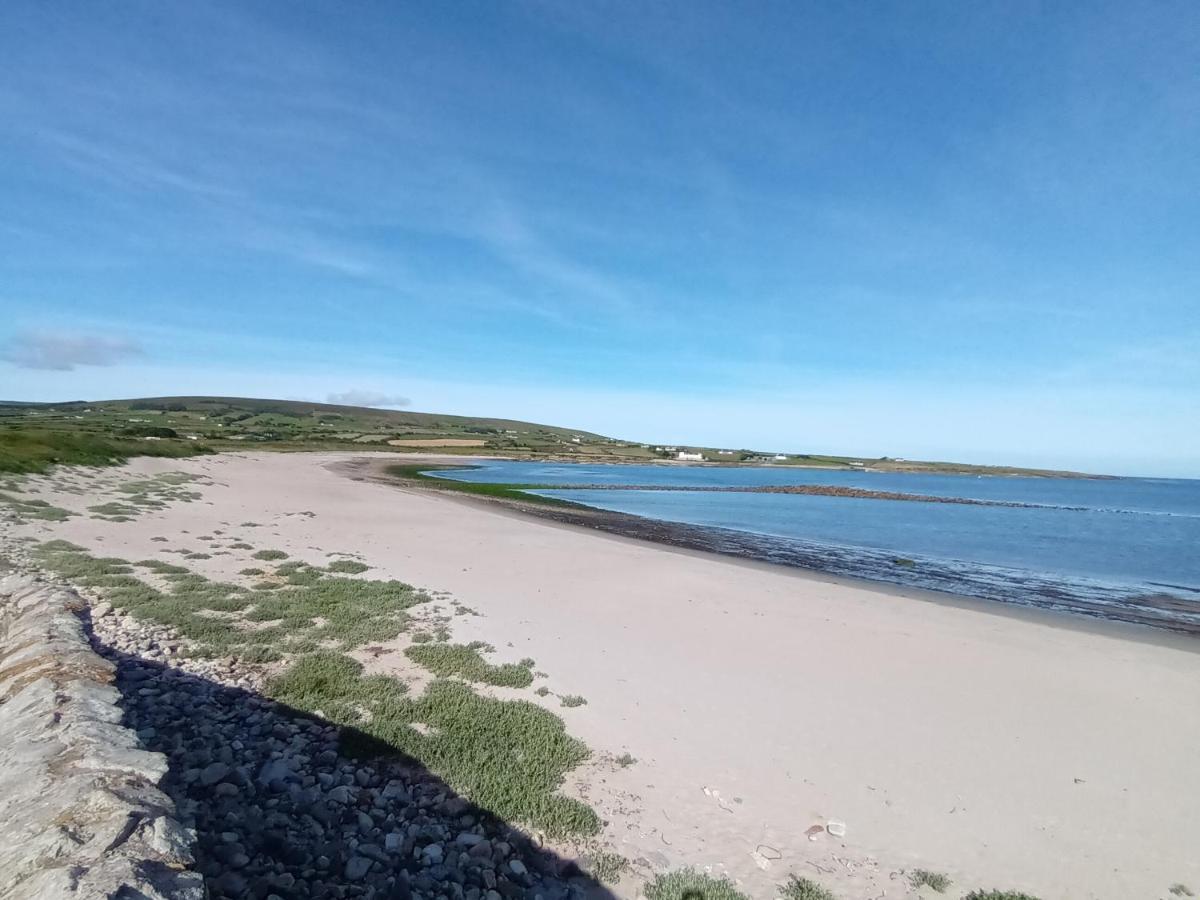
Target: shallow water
[[1124, 548]]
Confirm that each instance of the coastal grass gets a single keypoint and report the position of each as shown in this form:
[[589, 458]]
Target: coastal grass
[[34, 450], [347, 567], [689, 884], [939, 881], [466, 662], [571, 700], [507, 756], [270, 555], [606, 866], [800, 888], [35, 509], [999, 895], [518, 492], [223, 618]]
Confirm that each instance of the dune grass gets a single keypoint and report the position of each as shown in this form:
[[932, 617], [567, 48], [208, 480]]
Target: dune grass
[[465, 661], [35, 509], [347, 567], [507, 756], [799, 888], [689, 884], [999, 895], [336, 612], [270, 555], [36, 450], [939, 881]]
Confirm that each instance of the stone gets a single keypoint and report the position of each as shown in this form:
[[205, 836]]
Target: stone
[[357, 868], [214, 772]]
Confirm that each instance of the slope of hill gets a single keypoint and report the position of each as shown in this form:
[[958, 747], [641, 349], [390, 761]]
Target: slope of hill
[[183, 425]]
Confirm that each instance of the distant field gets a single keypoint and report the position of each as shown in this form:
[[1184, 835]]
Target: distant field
[[36, 435], [439, 442]]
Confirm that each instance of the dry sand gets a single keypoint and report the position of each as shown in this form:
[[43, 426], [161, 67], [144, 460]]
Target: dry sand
[[1008, 750]]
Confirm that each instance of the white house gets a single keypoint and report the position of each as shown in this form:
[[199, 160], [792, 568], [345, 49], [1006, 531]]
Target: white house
[[780, 456], [691, 457]]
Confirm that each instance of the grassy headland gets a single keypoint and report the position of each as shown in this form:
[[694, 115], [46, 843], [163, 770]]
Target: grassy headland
[[103, 432]]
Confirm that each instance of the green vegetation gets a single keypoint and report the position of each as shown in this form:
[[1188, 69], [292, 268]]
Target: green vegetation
[[465, 661], [607, 867], [227, 619], [798, 888], [252, 571], [475, 489], [1179, 889], [999, 895], [36, 449], [270, 555], [507, 756], [571, 700], [688, 884], [939, 881], [35, 509], [347, 566], [625, 760], [34, 436]]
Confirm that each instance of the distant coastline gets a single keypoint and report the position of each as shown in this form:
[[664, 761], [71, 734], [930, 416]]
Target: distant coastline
[[1009, 587]]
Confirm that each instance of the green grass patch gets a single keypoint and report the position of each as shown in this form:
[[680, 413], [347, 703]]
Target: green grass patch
[[465, 661], [252, 571], [25, 449], [268, 555], [689, 884], [35, 509], [999, 895], [227, 618], [799, 888], [347, 566], [606, 866], [939, 881], [507, 756], [571, 700], [478, 489]]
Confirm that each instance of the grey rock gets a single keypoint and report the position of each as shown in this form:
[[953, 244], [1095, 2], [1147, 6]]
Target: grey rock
[[214, 772], [357, 868]]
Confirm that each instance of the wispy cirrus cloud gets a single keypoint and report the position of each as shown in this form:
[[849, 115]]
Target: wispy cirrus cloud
[[64, 351]]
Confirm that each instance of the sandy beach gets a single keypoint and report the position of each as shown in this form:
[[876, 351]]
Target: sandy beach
[[1007, 749]]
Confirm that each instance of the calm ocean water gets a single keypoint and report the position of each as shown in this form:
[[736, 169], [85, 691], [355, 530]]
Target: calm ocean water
[[1132, 552]]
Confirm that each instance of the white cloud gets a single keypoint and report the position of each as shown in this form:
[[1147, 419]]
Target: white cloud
[[63, 352], [366, 398]]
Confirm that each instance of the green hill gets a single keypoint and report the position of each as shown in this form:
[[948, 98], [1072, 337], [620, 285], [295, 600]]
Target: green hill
[[35, 435]]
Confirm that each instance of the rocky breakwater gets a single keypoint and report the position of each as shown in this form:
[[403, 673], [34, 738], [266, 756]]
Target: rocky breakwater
[[81, 813]]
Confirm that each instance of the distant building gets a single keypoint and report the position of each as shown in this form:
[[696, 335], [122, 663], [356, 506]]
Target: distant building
[[725, 452], [780, 456], [691, 457], [858, 465]]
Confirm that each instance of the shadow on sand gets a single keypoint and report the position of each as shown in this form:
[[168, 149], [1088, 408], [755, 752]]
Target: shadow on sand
[[282, 814]]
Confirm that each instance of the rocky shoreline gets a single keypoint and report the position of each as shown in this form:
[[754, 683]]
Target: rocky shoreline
[[280, 812]]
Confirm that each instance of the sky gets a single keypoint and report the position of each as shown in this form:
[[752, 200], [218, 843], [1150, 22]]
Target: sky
[[940, 230]]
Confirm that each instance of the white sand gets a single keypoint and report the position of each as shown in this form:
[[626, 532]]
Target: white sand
[[1010, 751]]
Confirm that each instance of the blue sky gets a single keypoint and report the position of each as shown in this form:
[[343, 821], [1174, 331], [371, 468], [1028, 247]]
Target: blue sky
[[939, 230]]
